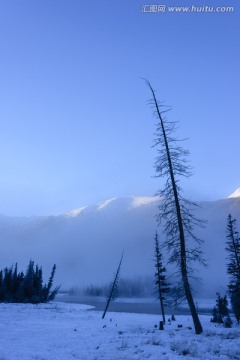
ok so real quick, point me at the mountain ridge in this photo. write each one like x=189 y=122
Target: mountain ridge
x=86 y=246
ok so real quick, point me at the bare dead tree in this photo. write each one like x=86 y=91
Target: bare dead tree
x=175 y=212
x=113 y=288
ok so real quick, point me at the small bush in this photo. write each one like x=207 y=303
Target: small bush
x=184 y=347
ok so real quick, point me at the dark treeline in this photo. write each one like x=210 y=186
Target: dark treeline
x=220 y=311
x=126 y=288
x=18 y=287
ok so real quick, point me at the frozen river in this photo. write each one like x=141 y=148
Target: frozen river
x=137 y=305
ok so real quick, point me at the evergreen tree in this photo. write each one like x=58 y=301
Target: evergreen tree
x=233 y=267
x=7 y=284
x=174 y=210
x=15 y=282
x=1 y=286
x=46 y=295
x=28 y=287
x=220 y=311
x=36 y=285
x=235 y=302
x=19 y=295
x=162 y=287
x=28 y=290
x=51 y=294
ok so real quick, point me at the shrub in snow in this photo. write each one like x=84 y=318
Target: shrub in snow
x=26 y=288
x=185 y=347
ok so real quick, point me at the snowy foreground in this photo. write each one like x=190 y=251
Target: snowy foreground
x=71 y=331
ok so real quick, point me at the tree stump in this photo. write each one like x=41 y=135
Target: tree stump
x=161 y=325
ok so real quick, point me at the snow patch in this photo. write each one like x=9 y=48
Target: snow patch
x=235 y=194
x=75 y=212
x=105 y=204
x=143 y=200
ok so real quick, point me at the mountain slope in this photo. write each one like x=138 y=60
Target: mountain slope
x=86 y=243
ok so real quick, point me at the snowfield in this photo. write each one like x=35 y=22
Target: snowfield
x=59 y=331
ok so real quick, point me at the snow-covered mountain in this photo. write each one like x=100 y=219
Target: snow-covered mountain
x=235 y=194
x=86 y=243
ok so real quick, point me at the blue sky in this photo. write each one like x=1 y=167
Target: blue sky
x=75 y=127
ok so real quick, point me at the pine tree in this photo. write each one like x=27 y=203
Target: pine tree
x=162 y=287
x=15 y=283
x=233 y=267
x=37 y=285
x=28 y=282
x=53 y=293
x=28 y=287
x=7 y=283
x=220 y=311
x=174 y=210
x=235 y=302
x=1 y=286
x=46 y=294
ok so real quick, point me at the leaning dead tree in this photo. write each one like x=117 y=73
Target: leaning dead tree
x=175 y=212
x=113 y=288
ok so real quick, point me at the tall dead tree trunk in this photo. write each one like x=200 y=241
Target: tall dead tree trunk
x=174 y=209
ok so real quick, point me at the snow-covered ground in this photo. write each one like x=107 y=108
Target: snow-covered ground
x=60 y=331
